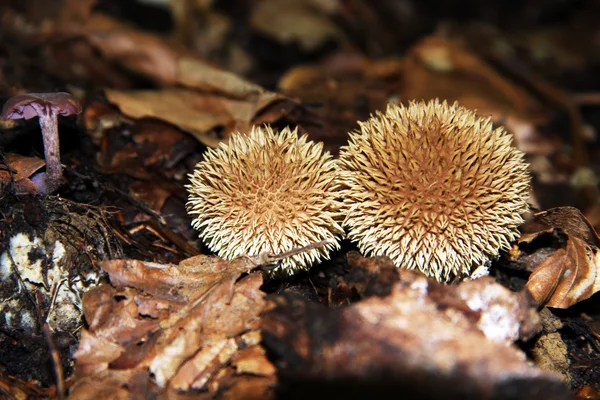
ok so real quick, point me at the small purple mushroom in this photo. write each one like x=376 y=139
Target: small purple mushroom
x=46 y=106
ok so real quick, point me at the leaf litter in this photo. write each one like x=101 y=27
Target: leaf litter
x=200 y=327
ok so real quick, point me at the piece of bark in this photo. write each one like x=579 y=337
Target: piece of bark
x=425 y=340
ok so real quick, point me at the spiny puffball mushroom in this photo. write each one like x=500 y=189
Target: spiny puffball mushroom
x=46 y=106
x=434 y=187
x=267 y=192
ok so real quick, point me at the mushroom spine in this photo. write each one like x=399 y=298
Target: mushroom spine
x=267 y=192
x=434 y=187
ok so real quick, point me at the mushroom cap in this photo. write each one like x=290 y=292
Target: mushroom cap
x=266 y=192
x=434 y=187
x=32 y=105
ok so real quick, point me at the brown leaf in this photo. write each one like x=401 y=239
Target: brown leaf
x=23 y=168
x=189 y=280
x=197 y=74
x=204 y=364
x=299 y=21
x=438 y=67
x=197 y=113
x=149 y=193
x=157 y=58
x=253 y=360
x=571 y=221
x=212 y=99
x=140 y=52
x=114 y=315
x=109 y=384
x=347 y=87
x=567 y=277
x=160 y=144
x=154 y=57
x=221 y=314
x=181 y=323
x=452 y=67
x=94 y=353
x=570 y=274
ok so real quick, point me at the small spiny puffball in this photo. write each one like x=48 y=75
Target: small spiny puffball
x=267 y=192
x=434 y=187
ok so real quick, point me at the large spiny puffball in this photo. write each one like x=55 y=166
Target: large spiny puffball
x=267 y=192
x=434 y=187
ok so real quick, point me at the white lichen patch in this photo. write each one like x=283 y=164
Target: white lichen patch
x=13 y=316
x=7 y=311
x=18 y=256
x=58 y=253
x=27 y=319
x=5 y=266
x=40 y=272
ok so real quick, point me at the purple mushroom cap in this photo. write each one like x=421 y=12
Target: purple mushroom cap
x=32 y=105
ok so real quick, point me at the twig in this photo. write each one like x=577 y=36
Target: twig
x=268 y=261
x=58 y=370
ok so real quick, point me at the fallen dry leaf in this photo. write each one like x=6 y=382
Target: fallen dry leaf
x=150 y=194
x=181 y=283
x=571 y=274
x=197 y=74
x=253 y=360
x=525 y=56
x=141 y=52
x=303 y=21
x=22 y=169
x=457 y=74
x=196 y=372
x=201 y=114
x=223 y=314
x=571 y=221
x=160 y=144
x=214 y=99
x=438 y=67
x=159 y=59
x=23 y=166
x=168 y=328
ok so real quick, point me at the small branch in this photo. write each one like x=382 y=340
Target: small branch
x=268 y=261
x=58 y=370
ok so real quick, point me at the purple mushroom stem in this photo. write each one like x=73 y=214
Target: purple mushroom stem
x=47 y=107
x=49 y=125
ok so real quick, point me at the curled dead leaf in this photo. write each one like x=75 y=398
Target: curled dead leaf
x=18 y=171
x=570 y=274
x=567 y=277
x=571 y=221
